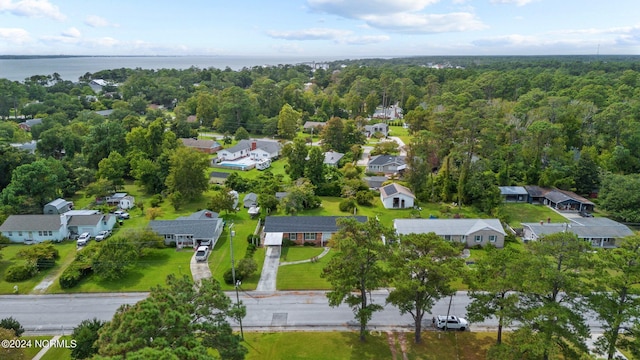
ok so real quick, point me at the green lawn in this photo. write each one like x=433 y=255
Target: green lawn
x=66 y=250
x=530 y=213
x=305 y=276
x=150 y=270
x=379 y=345
x=59 y=353
x=297 y=253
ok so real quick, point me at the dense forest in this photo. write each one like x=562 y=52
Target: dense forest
x=476 y=123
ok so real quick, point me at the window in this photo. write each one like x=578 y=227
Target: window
x=50 y=233
x=478 y=238
x=293 y=236
x=19 y=233
x=493 y=238
x=309 y=236
x=40 y=233
x=10 y=233
x=447 y=237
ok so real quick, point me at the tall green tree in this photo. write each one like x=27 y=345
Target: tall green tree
x=620 y=196
x=85 y=335
x=333 y=134
x=288 y=119
x=187 y=173
x=616 y=299
x=176 y=321
x=423 y=266
x=296 y=155
x=553 y=282
x=492 y=287
x=113 y=168
x=356 y=269
x=314 y=167
x=114 y=258
x=35 y=184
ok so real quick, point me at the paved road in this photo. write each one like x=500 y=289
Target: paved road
x=282 y=310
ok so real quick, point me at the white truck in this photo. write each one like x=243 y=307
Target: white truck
x=451 y=322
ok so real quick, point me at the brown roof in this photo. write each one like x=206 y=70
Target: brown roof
x=200 y=144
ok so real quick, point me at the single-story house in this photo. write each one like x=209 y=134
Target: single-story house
x=386 y=164
x=392 y=112
x=104 y=113
x=536 y=193
x=281 y=194
x=471 y=232
x=93 y=224
x=35 y=228
x=332 y=158
x=375 y=182
x=28 y=124
x=29 y=147
x=205 y=146
x=203 y=226
x=57 y=206
x=121 y=200
x=256 y=149
x=567 y=201
x=381 y=128
x=218 y=177
x=251 y=199
x=38 y=228
x=396 y=196
x=97 y=84
x=514 y=193
x=600 y=232
x=302 y=229
x=314 y=127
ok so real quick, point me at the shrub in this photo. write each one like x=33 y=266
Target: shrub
x=72 y=275
x=308 y=243
x=251 y=249
x=287 y=242
x=347 y=205
x=44 y=255
x=364 y=197
x=12 y=324
x=4 y=239
x=21 y=272
x=156 y=200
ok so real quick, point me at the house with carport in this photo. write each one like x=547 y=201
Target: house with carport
x=598 y=231
x=514 y=194
x=203 y=226
x=302 y=230
x=470 y=232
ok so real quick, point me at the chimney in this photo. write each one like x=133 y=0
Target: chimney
x=254 y=145
x=207 y=214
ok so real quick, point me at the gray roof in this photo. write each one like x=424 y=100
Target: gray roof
x=104 y=112
x=332 y=157
x=386 y=159
x=250 y=197
x=86 y=220
x=559 y=196
x=28 y=146
x=59 y=203
x=301 y=224
x=219 y=174
x=200 y=144
x=375 y=181
x=446 y=226
x=584 y=227
x=200 y=229
x=269 y=146
x=32 y=122
x=536 y=191
x=392 y=189
x=281 y=194
x=31 y=223
x=312 y=124
x=513 y=190
x=201 y=215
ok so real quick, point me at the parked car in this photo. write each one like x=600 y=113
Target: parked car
x=586 y=214
x=83 y=239
x=103 y=235
x=121 y=214
x=451 y=322
x=202 y=253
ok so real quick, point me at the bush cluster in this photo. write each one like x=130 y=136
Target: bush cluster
x=21 y=272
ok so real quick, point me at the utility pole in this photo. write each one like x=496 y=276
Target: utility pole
x=236 y=283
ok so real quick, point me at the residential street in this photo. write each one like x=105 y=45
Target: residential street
x=283 y=310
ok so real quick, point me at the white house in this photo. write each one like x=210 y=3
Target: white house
x=255 y=149
x=396 y=196
x=600 y=232
x=121 y=200
x=470 y=232
x=35 y=228
x=93 y=224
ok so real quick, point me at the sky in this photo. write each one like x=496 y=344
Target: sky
x=329 y=28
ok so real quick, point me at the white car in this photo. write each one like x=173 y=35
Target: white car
x=83 y=239
x=121 y=214
x=202 y=253
x=451 y=322
x=103 y=235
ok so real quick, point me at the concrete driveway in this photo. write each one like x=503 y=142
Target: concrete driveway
x=269 y=269
x=199 y=270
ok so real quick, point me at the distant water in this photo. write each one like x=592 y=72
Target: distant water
x=73 y=67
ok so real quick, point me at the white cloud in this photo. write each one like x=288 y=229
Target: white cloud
x=402 y=15
x=426 y=23
x=517 y=2
x=32 y=9
x=366 y=40
x=72 y=33
x=15 y=35
x=358 y=8
x=310 y=34
x=97 y=21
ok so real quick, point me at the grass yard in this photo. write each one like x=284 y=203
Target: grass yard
x=297 y=253
x=151 y=270
x=66 y=250
x=59 y=353
x=305 y=276
x=379 y=345
x=530 y=213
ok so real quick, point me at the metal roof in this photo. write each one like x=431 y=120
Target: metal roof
x=584 y=228
x=301 y=224
x=513 y=190
x=446 y=226
x=200 y=229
